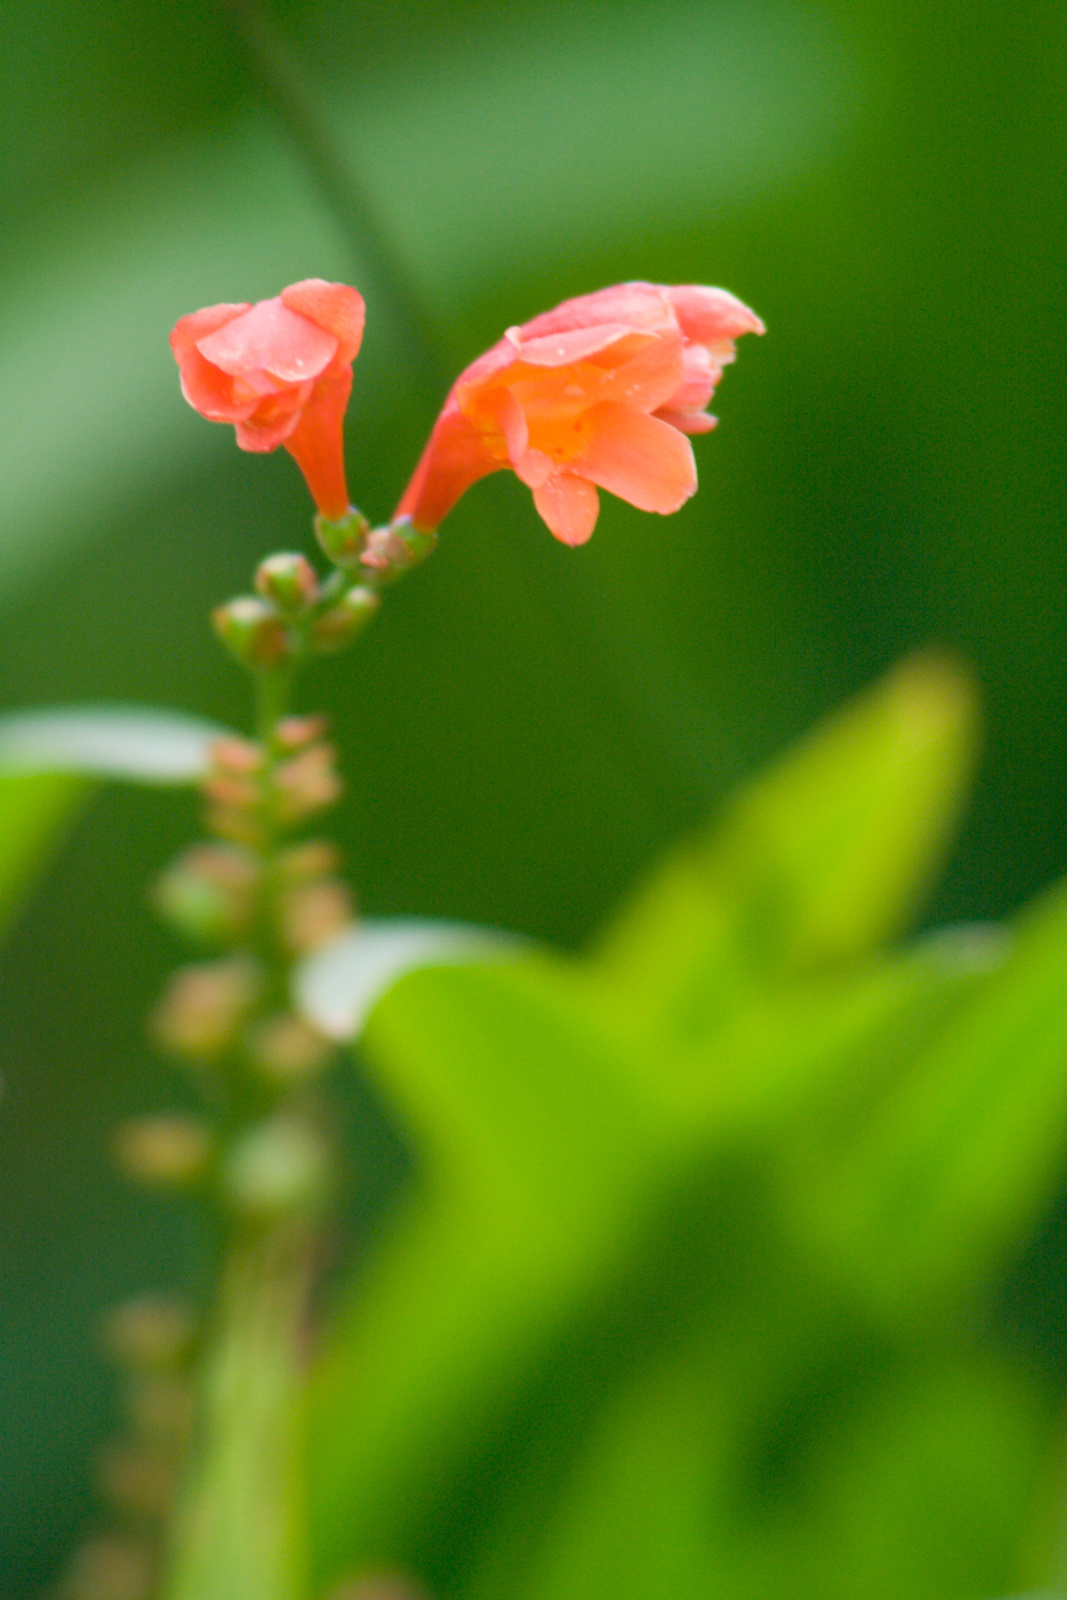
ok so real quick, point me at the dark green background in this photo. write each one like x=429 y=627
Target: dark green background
x=525 y=725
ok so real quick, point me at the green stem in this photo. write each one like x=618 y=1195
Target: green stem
x=282 y=84
x=274 y=693
x=240 y=1532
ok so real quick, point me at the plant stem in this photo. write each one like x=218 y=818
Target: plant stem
x=282 y=84
x=239 y=1530
x=274 y=691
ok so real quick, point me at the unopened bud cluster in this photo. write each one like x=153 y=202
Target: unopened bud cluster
x=376 y=556
x=258 y=899
x=253 y=795
x=294 y=614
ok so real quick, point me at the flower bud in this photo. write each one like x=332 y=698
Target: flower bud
x=200 y=1011
x=378 y=1586
x=343 y=539
x=237 y=824
x=235 y=794
x=149 y=1334
x=313 y=914
x=288 y=580
x=394 y=549
x=161 y=1407
x=234 y=757
x=166 y=1151
x=305 y=784
x=252 y=631
x=209 y=893
x=275 y=1168
x=312 y=858
x=286 y=1049
x=293 y=733
x=337 y=627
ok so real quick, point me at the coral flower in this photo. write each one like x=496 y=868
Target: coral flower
x=281 y=371
x=599 y=393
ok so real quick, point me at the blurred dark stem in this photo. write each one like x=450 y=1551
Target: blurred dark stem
x=283 y=84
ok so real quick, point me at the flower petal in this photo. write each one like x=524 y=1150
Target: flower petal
x=335 y=307
x=569 y=507
x=271 y=338
x=569 y=345
x=708 y=315
x=639 y=458
x=687 y=421
x=455 y=457
x=206 y=388
x=198 y=324
x=272 y=421
x=634 y=305
x=317 y=442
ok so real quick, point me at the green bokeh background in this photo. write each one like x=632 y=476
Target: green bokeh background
x=525 y=725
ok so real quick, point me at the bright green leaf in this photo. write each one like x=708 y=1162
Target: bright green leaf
x=34 y=807
x=964 y=1148
x=339 y=985
x=817 y=863
x=531 y=1147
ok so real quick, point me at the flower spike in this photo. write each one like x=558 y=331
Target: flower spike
x=599 y=393
x=281 y=372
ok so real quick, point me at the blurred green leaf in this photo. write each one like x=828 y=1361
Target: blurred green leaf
x=47 y=756
x=339 y=985
x=870 y=1478
x=731 y=100
x=578 y=1179
x=818 y=862
x=34 y=808
x=566 y=1221
x=965 y=1146
x=530 y=1145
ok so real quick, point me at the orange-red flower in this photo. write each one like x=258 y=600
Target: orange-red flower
x=281 y=371
x=599 y=393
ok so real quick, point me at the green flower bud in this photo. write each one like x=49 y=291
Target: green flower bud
x=209 y=893
x=338 y=626
x=289 y=580
x=275 y=1169
x=252 y=631
x=343 y=540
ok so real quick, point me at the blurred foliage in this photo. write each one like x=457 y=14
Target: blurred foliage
x=526 y=727
x=674 y=1302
